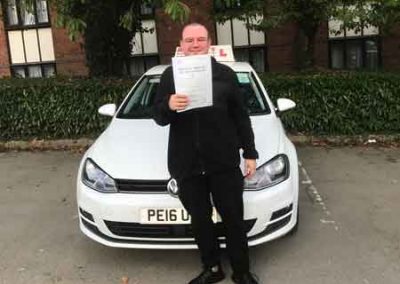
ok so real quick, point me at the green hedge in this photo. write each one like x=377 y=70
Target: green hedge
x=339 y=103
x=55 y=108
x=344 y=103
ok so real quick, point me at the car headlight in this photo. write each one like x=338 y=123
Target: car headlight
x=96 y=178
x=271 y=173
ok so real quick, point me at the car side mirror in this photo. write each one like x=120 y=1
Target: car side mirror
x=285 y=104
x=108 y=109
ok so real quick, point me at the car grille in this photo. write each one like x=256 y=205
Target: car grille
x=162 y=231
x=141 y=186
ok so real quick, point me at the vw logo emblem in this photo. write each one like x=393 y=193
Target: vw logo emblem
x=172 y=188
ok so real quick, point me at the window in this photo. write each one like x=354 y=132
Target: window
x=34 y=71
x=140 y=64
x=371 y=54
x=254 y=55
x=140 y=101
x=222 y=6
x=30 y=39
x=337 y=55
x=144 y=49
x=352 y=50
x=147 y=10
x=12 y=14
x=19 y=15
x=31 y=52
x=252 y=93
x=42 y=12
x=248 y=45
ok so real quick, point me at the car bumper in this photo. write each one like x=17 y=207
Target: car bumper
x=268 y=213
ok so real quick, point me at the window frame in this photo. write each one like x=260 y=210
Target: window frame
x=249 y=46
x=346 y=40
x=143 y=57
x=225 y=6
x=21 y=27
x=42 y=65
x=149 y=16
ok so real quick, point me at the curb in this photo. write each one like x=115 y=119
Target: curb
x=345 y=140
x=80 y=145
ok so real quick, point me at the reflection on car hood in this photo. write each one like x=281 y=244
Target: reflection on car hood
x=137 y=149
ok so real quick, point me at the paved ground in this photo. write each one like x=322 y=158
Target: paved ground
x=349 y=232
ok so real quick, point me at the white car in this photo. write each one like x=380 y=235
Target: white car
x=125 y=194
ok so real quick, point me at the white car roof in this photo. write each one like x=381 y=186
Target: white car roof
x=236 y=66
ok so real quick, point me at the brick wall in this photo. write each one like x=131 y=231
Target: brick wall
x=321 y=52
x=69 y=55
x=281 y=53
x=282 y=48
x=4 y=57
x=391 y=50
x=169 y=33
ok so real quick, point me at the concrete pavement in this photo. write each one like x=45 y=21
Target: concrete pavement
x=349 y=230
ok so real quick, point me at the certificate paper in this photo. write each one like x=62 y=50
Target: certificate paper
x=193 y=77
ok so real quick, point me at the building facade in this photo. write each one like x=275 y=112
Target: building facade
x=32 y=46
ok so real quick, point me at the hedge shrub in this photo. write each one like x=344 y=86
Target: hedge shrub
x=344 y=103
x=339 y=103
x=55 y=108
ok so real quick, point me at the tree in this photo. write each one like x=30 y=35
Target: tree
x=73 y=14
x=309 y=14
x=107 y=27
x=266 y=15
x=357 y=14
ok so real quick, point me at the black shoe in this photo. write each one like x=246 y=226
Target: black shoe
x=246 y=278
x=209 y=275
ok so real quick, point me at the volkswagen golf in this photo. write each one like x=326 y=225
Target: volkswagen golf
x=127 y=198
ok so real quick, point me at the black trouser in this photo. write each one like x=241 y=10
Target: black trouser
x=226 y=189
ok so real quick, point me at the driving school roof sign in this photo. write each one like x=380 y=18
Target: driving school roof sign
x=222 y=53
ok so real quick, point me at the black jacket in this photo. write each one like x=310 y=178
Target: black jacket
x=206 y=140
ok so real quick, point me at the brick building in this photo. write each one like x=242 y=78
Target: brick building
x=31 y=45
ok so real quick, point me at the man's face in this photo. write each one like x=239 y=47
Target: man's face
x=195 y=40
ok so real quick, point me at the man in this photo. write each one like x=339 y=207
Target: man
x=203 y=156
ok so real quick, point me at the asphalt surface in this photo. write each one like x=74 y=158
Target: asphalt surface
x=349 y=228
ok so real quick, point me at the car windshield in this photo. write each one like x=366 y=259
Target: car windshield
x=140 y=101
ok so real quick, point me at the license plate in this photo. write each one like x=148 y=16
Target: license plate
x=168 y=216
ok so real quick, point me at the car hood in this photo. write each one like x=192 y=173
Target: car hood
x=137 y=149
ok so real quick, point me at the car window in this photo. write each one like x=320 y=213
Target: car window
x=252 y=93
x=140 y=100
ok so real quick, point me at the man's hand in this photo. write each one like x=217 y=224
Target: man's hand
x=250 y=167
x=178 y=102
